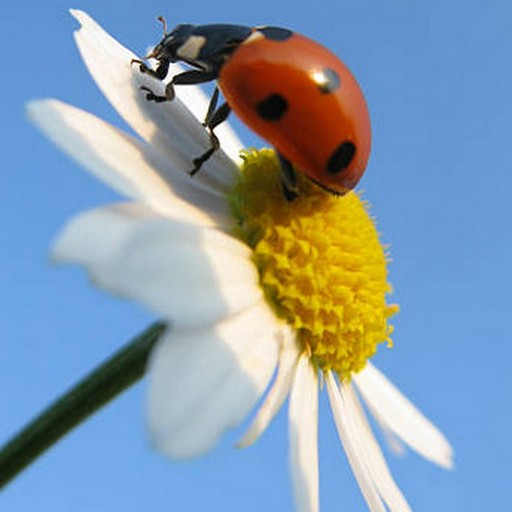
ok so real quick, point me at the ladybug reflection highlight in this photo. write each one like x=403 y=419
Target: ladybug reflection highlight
x=289 y=89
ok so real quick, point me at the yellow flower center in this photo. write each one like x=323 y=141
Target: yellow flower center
x=321 y=265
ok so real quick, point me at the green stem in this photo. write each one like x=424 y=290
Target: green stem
x=110 y=379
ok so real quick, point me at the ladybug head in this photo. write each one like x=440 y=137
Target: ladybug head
x=168 y=49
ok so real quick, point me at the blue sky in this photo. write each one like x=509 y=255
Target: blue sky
x=437 y=78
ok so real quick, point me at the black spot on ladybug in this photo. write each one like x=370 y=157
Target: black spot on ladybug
x=276 y=33
x=327 y=80
x=341 y=157
x=272 y=108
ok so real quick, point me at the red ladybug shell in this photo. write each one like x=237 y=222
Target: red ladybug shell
x=303 y=100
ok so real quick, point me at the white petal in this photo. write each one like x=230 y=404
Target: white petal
x=93 y=237
x=190 y=275
x=130 y=166
x=395 y=411
x=288 y=356
x=169 y=126
x=303 y=420
x=206 y=381
x=350 y=440
x=373 y=458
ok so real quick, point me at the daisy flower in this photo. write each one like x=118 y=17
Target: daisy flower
x=265 y=298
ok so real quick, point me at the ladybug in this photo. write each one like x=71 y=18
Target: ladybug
x=289 y=89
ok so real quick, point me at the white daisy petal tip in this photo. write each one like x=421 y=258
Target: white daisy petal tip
x=193 y=447
x=82 y=17
x=400 y=416
x=36 y=109
x=206 y=381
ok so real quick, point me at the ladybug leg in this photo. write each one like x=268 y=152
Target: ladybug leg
x=288 y=178
x=212 y=107
x=151 y=96
x=213 y=119
x=190 y=77
x=194 y=76
x=159 y=73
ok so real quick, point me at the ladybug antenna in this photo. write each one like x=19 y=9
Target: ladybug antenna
x=163 y=21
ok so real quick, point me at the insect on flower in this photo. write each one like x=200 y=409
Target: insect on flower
x=266 y=298
x=289 y=89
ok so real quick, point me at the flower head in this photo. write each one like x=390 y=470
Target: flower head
x=253 y=286
x=320 y=262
